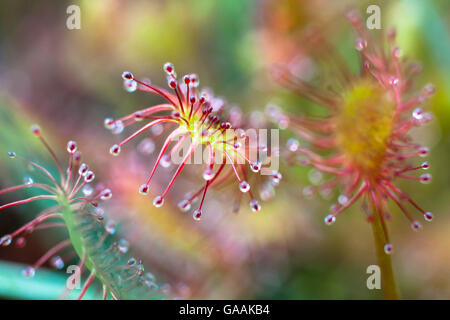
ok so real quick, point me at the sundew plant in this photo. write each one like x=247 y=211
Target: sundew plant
x=312 y=152
x=365 y=137
x=77 y=208
x=196 y=118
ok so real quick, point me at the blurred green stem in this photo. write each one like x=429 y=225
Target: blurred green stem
x=384 y=260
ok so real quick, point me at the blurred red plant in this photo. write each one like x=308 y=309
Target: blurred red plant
x=363 y=142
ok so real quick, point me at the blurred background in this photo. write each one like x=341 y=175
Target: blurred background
x=68 y=81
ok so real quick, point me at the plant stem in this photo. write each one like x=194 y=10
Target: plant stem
x=384 y=260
